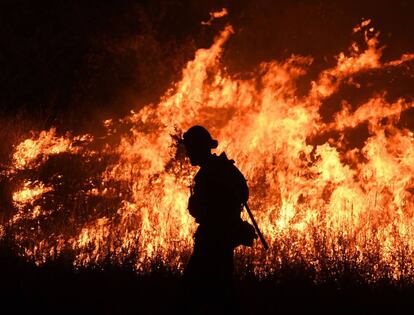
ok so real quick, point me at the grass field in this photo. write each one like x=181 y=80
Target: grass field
x=57 y=288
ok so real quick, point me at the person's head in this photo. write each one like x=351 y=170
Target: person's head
x=198 y=144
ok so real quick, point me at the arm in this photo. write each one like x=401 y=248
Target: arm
x=197 y=202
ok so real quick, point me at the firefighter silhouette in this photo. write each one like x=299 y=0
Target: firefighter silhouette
x=216 y=201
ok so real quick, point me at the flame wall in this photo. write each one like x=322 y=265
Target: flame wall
x=320 y=199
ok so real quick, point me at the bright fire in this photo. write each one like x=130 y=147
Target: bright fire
x=319 y=200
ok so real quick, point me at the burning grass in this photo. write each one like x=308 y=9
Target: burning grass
x=56 y=286
x=327 y=203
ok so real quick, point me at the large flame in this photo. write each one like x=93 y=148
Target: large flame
x=319 y=200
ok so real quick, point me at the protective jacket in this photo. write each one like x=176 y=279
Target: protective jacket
x=216 y=201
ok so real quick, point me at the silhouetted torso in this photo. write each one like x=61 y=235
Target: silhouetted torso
x=218 y=193
x=215 y=202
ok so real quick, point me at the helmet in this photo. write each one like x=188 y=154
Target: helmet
x=198 y=136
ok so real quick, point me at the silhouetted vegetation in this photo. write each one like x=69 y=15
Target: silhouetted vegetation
x=56 y=287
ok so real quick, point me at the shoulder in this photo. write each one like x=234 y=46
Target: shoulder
x=219 y=167
x=226 y=167
x=232 y=177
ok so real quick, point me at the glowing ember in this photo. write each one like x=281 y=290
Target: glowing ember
x=29 y=193
x=323 y=203
x=46 y=144
x=215 y=15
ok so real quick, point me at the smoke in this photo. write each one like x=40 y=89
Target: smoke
x=72 y=64
x=323 y=109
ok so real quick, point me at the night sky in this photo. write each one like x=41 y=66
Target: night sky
x=71 y=64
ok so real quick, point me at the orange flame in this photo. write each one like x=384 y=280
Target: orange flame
x=216 y=15
x=320 y=204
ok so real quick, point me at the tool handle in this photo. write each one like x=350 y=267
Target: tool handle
x=259 y=233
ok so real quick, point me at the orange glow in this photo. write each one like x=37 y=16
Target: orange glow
x=317 y=204
x=216 y=15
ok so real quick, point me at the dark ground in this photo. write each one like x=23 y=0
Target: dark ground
x=56 y=288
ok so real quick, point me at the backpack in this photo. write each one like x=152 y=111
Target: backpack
x=244 y=233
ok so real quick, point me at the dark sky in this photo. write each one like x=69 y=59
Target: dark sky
x=71 y=63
